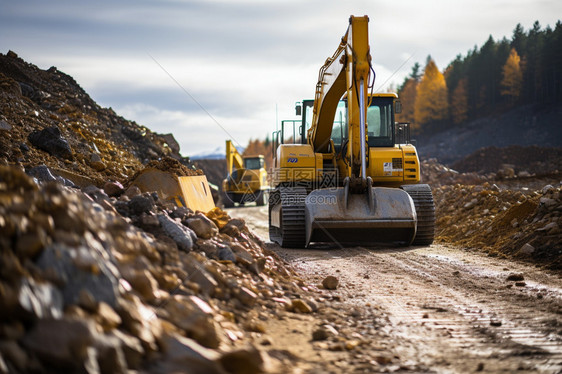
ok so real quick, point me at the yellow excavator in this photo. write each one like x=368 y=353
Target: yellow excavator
x=246 y=179
x=354 y=176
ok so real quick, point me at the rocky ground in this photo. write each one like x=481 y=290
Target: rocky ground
x=507 y=212
x=96 y=276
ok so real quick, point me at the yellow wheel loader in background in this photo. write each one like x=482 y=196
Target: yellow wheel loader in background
x=354 y=177
x=246 y=180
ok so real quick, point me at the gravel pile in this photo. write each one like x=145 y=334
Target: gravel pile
x=526 y=224
x=96 y=283
x=46 y=118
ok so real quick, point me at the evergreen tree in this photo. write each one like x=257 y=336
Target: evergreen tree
x=459 y=102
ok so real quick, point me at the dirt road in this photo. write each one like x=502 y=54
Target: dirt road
x=427 y=309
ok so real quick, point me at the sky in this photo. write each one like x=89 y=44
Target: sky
x=211 y=70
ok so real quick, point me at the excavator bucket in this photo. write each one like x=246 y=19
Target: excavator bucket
x=191 y=191
x=381 y=215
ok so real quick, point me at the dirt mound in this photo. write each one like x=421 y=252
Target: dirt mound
x=46 y=118
x=215 y=170
x=522 y=224
x=133 y=285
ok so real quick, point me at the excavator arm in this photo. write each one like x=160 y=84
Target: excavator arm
x=346 y=72
x=234 y=160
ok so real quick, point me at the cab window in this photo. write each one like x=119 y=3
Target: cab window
x=379 y=123
x=339 y=129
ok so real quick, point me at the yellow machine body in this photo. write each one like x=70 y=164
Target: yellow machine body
x=246 y=179
x=189 y=191
x=355 y=177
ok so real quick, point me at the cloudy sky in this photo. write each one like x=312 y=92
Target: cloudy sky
x=209 y=70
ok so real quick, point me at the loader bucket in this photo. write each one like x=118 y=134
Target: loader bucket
x=192 y=191
x=381 y=215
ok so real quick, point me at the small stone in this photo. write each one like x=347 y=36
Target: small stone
x=132 y=191
x=298 y=305
x=225 y=254
x=330 y=282
x=203 y=226
x=199 y=275
x=87 y=301
x=547 y=188
x=246 y=296
x=181 y=235
x=109 y=354
x=194 y=316
x=149 y=220
x=324 y=332
x=527 y=249
x=60 y=342
x=234 y=227
x=383 y=359
x=181 y=353
x=140 y=204
x=143 y=282
x=549 y=227
x=515 y=277
x=51 y=140
x=113 y=188
x=107 y=317
x=243 y=361
x=5 y=126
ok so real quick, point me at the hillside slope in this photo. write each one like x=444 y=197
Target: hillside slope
x=525 y=126
x=70 y=131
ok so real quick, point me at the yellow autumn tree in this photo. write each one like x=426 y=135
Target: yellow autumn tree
x=408 y=98
x=512 y=73
x=431 y=96
x=459 y=102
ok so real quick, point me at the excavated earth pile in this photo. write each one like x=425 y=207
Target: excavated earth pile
x=46 y=118
x=92 y=283
x=507 y=213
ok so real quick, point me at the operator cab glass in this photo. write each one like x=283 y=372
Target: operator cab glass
x=254 y=163
x=380 y=118
x=339 y=129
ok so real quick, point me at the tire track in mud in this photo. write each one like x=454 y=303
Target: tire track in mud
x=447 y=310
x=451 y=314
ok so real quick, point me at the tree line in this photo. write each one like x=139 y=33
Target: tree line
x=527 y=69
